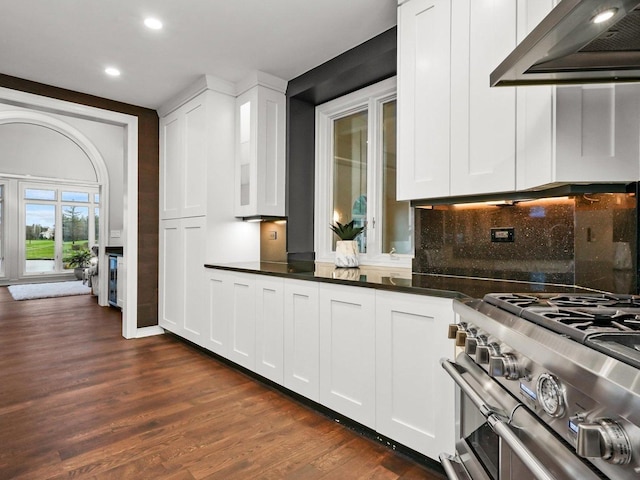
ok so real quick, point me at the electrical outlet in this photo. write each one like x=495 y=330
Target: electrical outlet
x=502 y=235
x=273 y=235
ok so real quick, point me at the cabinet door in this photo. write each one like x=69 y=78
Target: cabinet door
x=301 y=342
x=483 y=129
x=170 y=276
x=181 y=278
x=171 y=138
x=260 y=155
x=191 y=255
x=242 y=320
x=598 y=133
x=218 y=284
x=414 y=396
x=424 y=57
x=270 y=328
x=183 y=160
x=347 y=351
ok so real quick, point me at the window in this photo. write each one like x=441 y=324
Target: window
x=55 y=221
x=356 y=176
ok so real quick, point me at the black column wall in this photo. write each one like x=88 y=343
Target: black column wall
x=366 y=64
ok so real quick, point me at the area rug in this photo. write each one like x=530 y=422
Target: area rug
x=47 y=290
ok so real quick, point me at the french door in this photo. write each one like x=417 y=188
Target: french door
x=55 y=222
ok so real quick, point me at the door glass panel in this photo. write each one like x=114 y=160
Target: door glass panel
x=75 y=229
x=39 y=194
x=396 y=216
x=350 y=172
x=40 y=220
x=75 y=197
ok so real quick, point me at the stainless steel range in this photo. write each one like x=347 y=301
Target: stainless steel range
x=550 y=387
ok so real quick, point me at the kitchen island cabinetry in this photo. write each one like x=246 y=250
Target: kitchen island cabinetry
x=347 y=351
x=414 y=399
x=301 y=338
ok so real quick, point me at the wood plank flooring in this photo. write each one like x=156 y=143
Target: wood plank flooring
x=79 y=401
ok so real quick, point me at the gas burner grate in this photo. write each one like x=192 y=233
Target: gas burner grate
x=595 y=300
x=588 y=321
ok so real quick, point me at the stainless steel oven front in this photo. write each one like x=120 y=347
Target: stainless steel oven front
x=500 y=438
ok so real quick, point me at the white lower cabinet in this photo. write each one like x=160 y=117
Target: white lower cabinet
x=182 y=286
x=414 y=397
x=370 y=355
x=219 y=311
x=301 y=338
x=270 y=328
x=347 y=351
x=242 y=320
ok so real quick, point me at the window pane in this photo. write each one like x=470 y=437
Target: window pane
x=75 y=229
x=75 y=197
x=350 y=172
x=396 y=216
x=39 y=238
x=96 y=198
x=38 y=194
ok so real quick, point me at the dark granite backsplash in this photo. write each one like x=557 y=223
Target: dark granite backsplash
x=587 y=240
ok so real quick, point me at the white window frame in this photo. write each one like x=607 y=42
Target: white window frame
x=67 y=186
x=372 y=99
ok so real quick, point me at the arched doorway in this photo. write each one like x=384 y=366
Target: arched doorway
x=29 y=105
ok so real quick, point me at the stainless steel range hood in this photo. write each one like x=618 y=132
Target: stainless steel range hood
x=567 y=47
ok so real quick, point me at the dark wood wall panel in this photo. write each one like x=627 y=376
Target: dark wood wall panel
x=148 y=171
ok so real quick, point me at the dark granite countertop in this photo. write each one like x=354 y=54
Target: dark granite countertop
x=397 y=280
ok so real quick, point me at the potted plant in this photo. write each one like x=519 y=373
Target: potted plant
x=346 y=247
x=79 y=259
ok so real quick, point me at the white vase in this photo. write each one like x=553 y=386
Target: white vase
x=346 y=253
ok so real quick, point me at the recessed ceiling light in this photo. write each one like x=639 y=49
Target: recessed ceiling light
x=111 y=71
x=153 y=23
x=604 y=16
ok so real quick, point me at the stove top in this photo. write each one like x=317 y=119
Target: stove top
x=606 y=322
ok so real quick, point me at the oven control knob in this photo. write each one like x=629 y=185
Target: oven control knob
x=453 y=329
x=472 y=343
x=604 y=439
x=484 y=352
x=461 y=337
x=504 y=365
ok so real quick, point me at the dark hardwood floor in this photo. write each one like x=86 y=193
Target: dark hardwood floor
x=79 y=401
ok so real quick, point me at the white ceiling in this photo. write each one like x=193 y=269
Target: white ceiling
x=68 y=43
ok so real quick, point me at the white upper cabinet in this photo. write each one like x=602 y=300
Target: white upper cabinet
x=424 y=79
x=596 y=135
x=260 y=146
x=183 y=160
x=192 y=145
x=483 y=119
x=457 y=136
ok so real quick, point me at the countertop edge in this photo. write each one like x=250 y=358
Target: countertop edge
x=306 y=276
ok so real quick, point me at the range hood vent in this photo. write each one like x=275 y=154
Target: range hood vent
x=567 y=47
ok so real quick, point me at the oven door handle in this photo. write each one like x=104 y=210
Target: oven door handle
x=498 y=425
x=453 y=468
